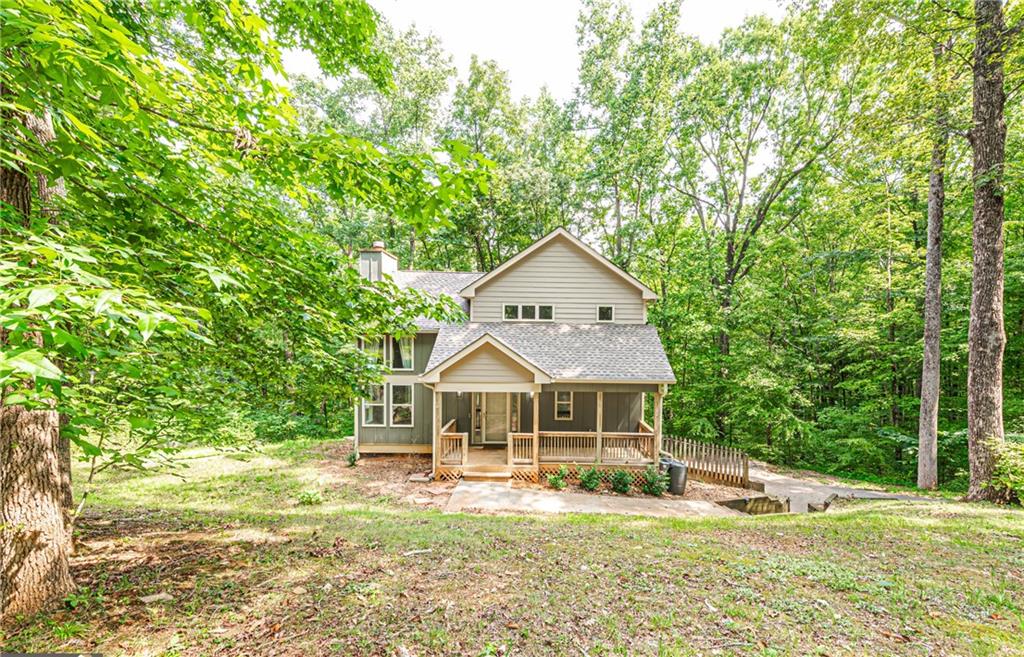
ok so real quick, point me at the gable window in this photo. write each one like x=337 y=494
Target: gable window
x=563 y=405
x=529 y=312
x=401 y=353
x=606 y=313
x=401 y=405
x=373 y=407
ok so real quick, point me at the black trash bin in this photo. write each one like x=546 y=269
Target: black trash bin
x=676 y=477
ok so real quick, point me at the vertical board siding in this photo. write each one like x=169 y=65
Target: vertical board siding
x=563 y=275
x=621 y=411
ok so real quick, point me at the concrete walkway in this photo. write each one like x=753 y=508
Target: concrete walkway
x=486 y=496
x=801 y=492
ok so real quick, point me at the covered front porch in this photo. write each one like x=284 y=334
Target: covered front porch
x=516 y=434
x=498 y=415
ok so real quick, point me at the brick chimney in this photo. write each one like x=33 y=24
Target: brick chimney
x=375 y=261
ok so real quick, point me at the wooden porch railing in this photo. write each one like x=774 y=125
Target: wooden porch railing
x=716 y=463
x=627 y=447
x=520 y=448
x=454 y=446
x=621 y=448
x=567 y=447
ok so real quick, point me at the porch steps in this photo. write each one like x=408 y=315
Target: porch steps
x=486 y=473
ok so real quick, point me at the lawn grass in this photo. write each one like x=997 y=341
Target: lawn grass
x=252 y=571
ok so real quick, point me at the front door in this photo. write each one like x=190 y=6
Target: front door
x=495 y=417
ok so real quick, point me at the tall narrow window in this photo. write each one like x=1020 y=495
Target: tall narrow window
x=513 y=411
x=401 y=353
x=401 y=405
x=606 y=313
x=563 y=405
x=375 y=348
x=373 y=407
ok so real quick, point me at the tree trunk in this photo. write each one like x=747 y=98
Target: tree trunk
x=928 y=424
x=35 y=531
x=35 y=541
x=986 y=339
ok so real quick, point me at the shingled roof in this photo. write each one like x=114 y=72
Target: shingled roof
x=437 y=283
x=629 y=353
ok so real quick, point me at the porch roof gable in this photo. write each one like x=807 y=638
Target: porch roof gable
x=435 y=368
x=596 y=353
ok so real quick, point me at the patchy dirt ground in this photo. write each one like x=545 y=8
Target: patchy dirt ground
x=249 y=570
x=389 y=476
x=385 y=476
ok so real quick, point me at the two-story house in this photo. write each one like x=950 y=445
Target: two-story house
x=555 y=366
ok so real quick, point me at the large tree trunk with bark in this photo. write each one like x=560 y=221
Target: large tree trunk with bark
x=928 y=425
x=35 y=484
x=986 y=337
x=35 y=541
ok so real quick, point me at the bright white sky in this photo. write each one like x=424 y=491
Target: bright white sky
x=534 y=40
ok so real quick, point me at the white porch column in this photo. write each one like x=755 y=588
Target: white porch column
x=600 y=425
x=536 y=430
x=657 y=424
x=508 y=426
x=436 y=450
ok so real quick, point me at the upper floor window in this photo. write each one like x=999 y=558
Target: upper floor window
x=606 y=313
x=375 y=348
x=528 y=312
x=401 y=353
x=397 y=353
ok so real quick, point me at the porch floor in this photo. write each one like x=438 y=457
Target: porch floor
x=488 y=455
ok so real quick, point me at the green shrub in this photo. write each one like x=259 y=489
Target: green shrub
x=653 y=481
x=310 y=497
x=621 y=481
x=557 y=481
x=590 y=479
x=1009 y=469
x=352 y=457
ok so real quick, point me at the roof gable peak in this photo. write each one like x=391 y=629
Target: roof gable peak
x=470 y=290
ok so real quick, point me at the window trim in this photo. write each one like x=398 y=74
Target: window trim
x=597 y=316
x=519 y=312
x=391 y=406
x=412 y=353
x=571 y=404
x=382 y=403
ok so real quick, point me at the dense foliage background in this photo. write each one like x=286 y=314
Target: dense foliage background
x=772 y=187
x=194 y=280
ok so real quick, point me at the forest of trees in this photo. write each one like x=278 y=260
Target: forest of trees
x=179 y=225
x=774 y=188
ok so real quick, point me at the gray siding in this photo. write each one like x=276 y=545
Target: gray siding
x=621 y=412
x=423 y=400
x=560 y=274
